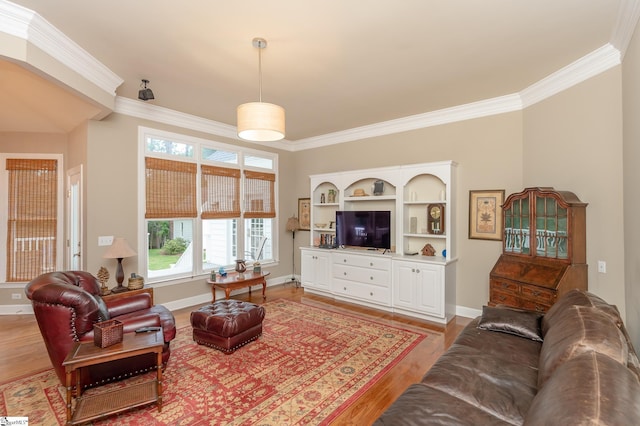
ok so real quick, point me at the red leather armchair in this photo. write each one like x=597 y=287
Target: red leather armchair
x=67 y=304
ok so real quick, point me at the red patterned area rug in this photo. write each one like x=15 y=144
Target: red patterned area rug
x=309 y=365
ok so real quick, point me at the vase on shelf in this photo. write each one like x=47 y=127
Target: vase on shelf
x=332 y=196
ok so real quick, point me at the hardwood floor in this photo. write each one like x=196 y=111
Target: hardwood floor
x=23 y=351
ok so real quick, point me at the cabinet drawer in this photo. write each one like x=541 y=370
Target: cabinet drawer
x=362 y=291
x=539 y=294
x=362 y=261
x=532 y=305
x=504 y=286
x=375 y=277
x=504 y=298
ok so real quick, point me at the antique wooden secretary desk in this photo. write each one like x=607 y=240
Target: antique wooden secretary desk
x=544 y=249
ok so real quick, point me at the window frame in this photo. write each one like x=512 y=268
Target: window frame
x=4 y=200
x=197 y=243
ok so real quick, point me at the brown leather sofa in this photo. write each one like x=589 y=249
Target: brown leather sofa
x=573 y=366
x=68 y=304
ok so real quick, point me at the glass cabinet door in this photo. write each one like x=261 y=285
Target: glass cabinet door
x=536 y=225
x=517 y=226
x=551 y=228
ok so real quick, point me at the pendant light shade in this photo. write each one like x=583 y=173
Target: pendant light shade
x=260 y=121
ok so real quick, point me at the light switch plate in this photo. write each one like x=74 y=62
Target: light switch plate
x=105 y=241
x=602 y=266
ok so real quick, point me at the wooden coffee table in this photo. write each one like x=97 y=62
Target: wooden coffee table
x=233 y=282
x=85 y=354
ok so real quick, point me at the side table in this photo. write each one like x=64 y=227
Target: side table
x=233 y=282
x=92 y=407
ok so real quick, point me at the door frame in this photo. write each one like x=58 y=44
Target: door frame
x=75 y=214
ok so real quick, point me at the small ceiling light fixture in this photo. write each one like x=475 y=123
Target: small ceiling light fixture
x=145 y=94
x=260 y=121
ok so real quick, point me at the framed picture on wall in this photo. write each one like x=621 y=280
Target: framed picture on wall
x=485 y=214
x=304 y=213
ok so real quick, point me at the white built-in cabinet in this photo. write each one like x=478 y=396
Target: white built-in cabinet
x=400 y=280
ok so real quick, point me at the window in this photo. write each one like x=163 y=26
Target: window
x=31 y=221
x=206 y=204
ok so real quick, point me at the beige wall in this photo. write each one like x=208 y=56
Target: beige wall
x=631 y=195
x=573 y=141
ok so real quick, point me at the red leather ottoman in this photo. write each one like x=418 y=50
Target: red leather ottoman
x=227 y=324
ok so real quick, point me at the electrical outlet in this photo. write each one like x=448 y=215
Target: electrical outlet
x=105 y=241
x=602 y=266
x=16 y=296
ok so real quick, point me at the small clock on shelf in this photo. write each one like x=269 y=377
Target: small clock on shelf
x=435 y=218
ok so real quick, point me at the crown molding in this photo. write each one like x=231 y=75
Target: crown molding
x=23 y=23
x=469 y=111
x=15 y=20
x=584 y=68
x=588 y=66
x=628 y=15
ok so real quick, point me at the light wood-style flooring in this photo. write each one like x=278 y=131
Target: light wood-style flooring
x=23 y=351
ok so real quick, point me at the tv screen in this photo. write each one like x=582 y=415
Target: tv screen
x=371 y=229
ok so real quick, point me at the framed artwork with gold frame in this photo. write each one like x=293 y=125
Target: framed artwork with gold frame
x=485 y=214
x=304 y=213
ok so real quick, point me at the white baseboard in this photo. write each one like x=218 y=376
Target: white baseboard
x=463 y=311
x=16 y=309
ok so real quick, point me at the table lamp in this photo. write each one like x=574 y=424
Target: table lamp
x=119 y=249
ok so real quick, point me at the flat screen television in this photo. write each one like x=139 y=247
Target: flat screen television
x=371 y=229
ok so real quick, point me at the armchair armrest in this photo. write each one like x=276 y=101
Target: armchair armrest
x=130 y=303
x=131 y=324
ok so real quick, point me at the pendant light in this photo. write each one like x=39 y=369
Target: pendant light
x=260 y=121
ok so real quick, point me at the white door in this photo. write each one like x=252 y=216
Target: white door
x=74 y=225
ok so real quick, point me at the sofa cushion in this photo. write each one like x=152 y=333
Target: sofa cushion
x=512 y=321
x=502 y=346
x=578 y=297
x=422 y=405
x=590 y=389
x=503 y=389
x=577 y=330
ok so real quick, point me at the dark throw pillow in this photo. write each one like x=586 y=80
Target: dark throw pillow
x=505 y=320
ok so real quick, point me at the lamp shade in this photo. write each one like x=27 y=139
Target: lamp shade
x=293 y=224
x=261 y=122
x=119 y=249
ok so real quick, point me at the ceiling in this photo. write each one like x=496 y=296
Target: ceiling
x=333 y=65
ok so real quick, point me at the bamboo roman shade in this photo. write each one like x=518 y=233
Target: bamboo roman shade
x=259 y=194
x=170 y=188
x=220 y=192
x=32 y=218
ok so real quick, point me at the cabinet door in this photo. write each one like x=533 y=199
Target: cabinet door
x=517 y=225
x=323 y=271
x=404 y=285
x=315 y=271
x=430 y=288
x=307 y=271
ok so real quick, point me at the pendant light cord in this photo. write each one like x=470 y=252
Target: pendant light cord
x=260 y=71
